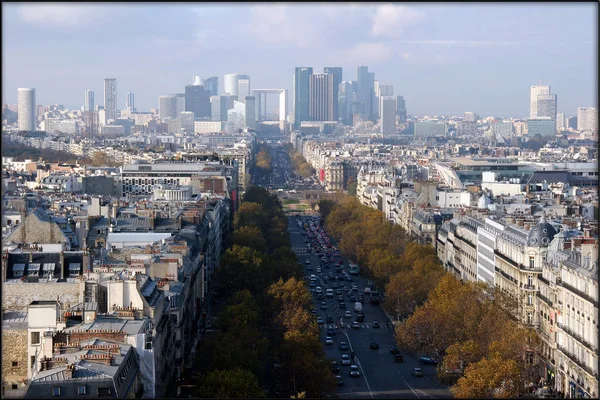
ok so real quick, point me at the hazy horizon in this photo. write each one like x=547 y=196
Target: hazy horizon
x=444 y=59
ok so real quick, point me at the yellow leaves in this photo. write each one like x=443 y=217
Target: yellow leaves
x=493 y=377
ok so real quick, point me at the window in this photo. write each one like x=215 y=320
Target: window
x=530 y=281
x=56 y=391
x=104 y=391
x=15 y=363
x=81 y=389
x=529 y=358
x=530 y=318
x=32 y=359
x=531 y=262
x=530 y=299
x=35 y=338
x=14 y=386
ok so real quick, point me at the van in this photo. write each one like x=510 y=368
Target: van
x=358 y=306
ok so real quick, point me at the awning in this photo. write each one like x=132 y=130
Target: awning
x=19 y=267
x=33 y=267
x=48 y=267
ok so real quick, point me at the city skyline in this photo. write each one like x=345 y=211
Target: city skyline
x=445 y=71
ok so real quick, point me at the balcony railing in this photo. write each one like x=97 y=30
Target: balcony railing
x=545 y=299
x=579 y=338
x=507 y=276
x=577 y=361
x=543 y=280
x=516 y=264
x=577 y=292
x=528 y=287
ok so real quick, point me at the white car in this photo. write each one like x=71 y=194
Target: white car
x=367 y=290
x=328 y=340
x=345 y=359
x=318 y=270
x=319 y=289
x=354 y=371
x=348 y=314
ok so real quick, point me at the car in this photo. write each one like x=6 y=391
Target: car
x=360 y=317
x=354 y=372
x=427 y=361
x=339 y=292
x=417 y=372
x=324 y=305
x=318 y=270
x=349 y=278
x=354 y=288
x=374 y=345
x=342 y=304
x=345 y=359
x=328 y=340
x=319 y=320
x=340 y=297
x=394 y=350
x=339 y=381
x=334 y=285
x=376 y=325
x=307 y=261
x=361 y=298
x=345 y=288
x=398 y=358
x=367 y=290
x=313 y=310
x=348 y=314
x=319 y=296
x=329 y=319
x=319 y=289
x=343 y=346
x=335 y=366
x=330 y=331
x=355 y=325
x=312 y=284
x=352 y=298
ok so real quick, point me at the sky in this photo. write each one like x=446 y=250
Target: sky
x=444 y=58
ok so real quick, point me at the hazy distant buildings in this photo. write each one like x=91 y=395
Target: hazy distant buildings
x=587 y=119
x=387 y=115
x=430 y=129
x=186 y=121
x=198 y=81
x=533 y=99
x=301 y=95
x=337 y=80
x=470 y=116
x=541 y=126
x=167 y=107
x=197 y=100
x=561 y=122
x=546 y=106
x=347 y=96
x=250 y=102
x=502 y=128
x=26 y=109
x=401 y=109
x=238 y=85
x=220 y=105
x=130 y=102
x=572 y=123
x=89 y=101
x=321 y=92
x=212 y=85
x=110 y=98
x=180 y=103
x=244 y=89
x=365 y=90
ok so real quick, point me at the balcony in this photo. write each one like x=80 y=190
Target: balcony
x=577 y=361
x=543 y=280
x=577 y=292
x=507 y=276
x=545 y=299
x=528 y=287
x=579 y=338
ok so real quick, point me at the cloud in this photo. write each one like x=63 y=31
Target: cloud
x=364 y=53
x=271 y=24
x=61 y=15
x=391 y=20
x=406 y=56
x=484 y=43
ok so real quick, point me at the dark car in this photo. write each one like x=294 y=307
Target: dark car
x=360 y=317
x=329 y=319
x=374 y=345
x=394 y=350
x=343 y=346
x=361 y=298
x=335 y=366
x=330 y=331
x=339 y=381
x=427 y=361
x=352 y=298
x=376 y=324
x=323 y=305
x=342 y=305
x=398 y=358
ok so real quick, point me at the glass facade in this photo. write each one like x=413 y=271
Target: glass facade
x=301 y=95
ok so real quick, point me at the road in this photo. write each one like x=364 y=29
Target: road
x=381 y=377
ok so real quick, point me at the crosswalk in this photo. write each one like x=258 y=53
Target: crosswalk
x=332 y=326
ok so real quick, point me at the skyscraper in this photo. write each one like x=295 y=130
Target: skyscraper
x=321 y=103
x=533 y=100
x=197 y=100
x=89 y=100
x=250 y=102
x=337 y=79
x=167 y=106
x=212 y=85
x=244 y=89
x=198 y=81
x=560 y=121
x=130 y=101
x=219 y=106
x=546 y=106
x=382 y=90
x=587 y=119
x=26 y=109
x=180 y=103
x=387 y=115
x=365 y=90
x=301 y=95
x=401 y=109
x=232 y=85
x=110 y=98
x=347 y=96
x=470 y=116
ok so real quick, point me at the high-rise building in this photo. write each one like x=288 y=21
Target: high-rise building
x=219 y=106
x=401 y=109
x=244 y=89
x=337 y=79
x=387 y=115
x=572 y=123
x=301 y=95
x=347 y=96
x=89 y=100
x=546 y=106
x=365 y=94
x=130 y=101
x=321 y=97
x=470 y=116
x=180 y=103
x=212 y=85
x=186 y=121
x=380 y=91
x=250 y=102
x=233 y=85
x=587 y=119
x=533 y=100
x=541 y=126
x=197 y=100
x=167 y=106
x=236 y=117
x=561 y=121
x=26 y=109
x=198 y=81
x=110 y=98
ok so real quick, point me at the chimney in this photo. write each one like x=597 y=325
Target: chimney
x=62 y=265
x=69 y=371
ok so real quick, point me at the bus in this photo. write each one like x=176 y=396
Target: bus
x=353 y=269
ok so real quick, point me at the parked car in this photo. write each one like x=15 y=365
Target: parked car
x=328 y=340
x=330 y=332
x=343 y=346
x=335 y=366
x=417 y=372
x=427 y=361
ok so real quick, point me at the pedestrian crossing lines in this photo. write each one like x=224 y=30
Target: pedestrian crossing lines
x=332 y=326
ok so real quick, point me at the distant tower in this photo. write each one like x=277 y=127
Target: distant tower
x=89 y=100
x=337 y=80
x=26 y=109
x=167 y=106
x=212 y=85
x=301 y=95
x=387 y=115
x=321 y=92
x=533 y=100
x=110 y=98
x=130 y=101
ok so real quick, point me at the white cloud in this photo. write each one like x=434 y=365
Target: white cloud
x=364 y=53
x=390 y=20
x=460 y=42
x=406 y=56
x=61 y=15
x=273 y=24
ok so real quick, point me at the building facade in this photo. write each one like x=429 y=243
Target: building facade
x=110 y=98
x=26 y=109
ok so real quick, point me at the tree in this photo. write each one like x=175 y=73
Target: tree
x=489 y=378
x=230 y=384
x=252 y=215
x=351 y=185
x=250 y=236
x=241 y=268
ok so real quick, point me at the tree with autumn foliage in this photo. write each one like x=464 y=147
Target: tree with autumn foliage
x=230 y=384
x=491 y=377
x=249 y=236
